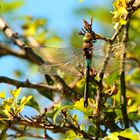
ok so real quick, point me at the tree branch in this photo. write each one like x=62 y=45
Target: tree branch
x=123 y=92
x=122 y=72
x=62 y=88
x=27 y=84
x=5 y=50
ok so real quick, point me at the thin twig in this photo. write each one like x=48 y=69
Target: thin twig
x=122 y=79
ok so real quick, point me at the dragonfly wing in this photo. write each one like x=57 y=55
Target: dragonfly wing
x=57 y=59
x=48 y=69
x=70 y=67
x=113 y=64
x=71 y=60
x=56 y=54
x=118 y=49
x=75 y=68
x=97 y=62
x=59 y=54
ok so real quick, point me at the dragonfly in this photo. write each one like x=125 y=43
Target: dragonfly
x=79 y=62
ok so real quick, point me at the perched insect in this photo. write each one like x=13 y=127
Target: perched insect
x=80 y=62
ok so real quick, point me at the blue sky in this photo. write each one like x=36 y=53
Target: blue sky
x=59 y=12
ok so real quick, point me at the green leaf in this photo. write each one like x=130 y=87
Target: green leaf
x=122 y=10
x=92 y=130
x=133 y=108
x=112 y=77
x=10 y=6
x=3 y=134
x=128 y=133
x=80 y=84
x=2 y=95
x=134 y=116
x=6 y=112
x=119 y=13
x=122 y=21
x=82 y=127
x=71 y=135
x=79 y=105
x=75 y=117
x=118 y=4
x=75 y=120
x=112 y=136
x=19 y=109
x=6 y=104
x=25 y=100
x=32 y=103
x=56 y=112
x=15 y=92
